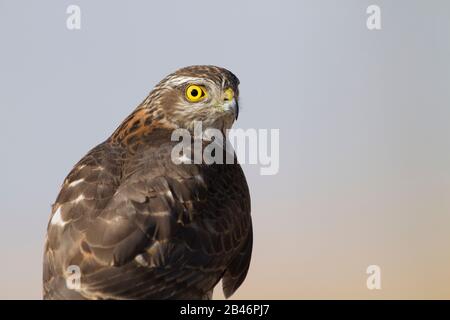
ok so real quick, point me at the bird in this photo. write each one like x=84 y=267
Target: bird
x=129 y=223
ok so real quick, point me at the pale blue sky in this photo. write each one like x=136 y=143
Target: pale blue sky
x=363 y=117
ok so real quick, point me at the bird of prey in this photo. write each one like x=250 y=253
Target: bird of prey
x=133 y=224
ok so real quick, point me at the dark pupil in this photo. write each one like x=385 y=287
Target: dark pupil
x=194 y=92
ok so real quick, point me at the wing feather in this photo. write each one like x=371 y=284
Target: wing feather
x=141 y=227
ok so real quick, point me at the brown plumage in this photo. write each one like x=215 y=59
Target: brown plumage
x=138 y=225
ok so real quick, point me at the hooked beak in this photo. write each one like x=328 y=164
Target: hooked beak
x=233 y=106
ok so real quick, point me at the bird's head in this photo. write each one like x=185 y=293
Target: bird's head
x=198 y=93
x=190 y=95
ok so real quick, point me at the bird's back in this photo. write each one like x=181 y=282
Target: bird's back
x=135 y=225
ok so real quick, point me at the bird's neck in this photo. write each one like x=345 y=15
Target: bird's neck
x=137 y=128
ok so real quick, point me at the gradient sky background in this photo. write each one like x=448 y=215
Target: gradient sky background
x=363 y=116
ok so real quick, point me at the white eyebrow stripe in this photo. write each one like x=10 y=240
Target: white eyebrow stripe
x=179 y=80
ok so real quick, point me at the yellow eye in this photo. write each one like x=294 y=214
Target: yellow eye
x=195 y=93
